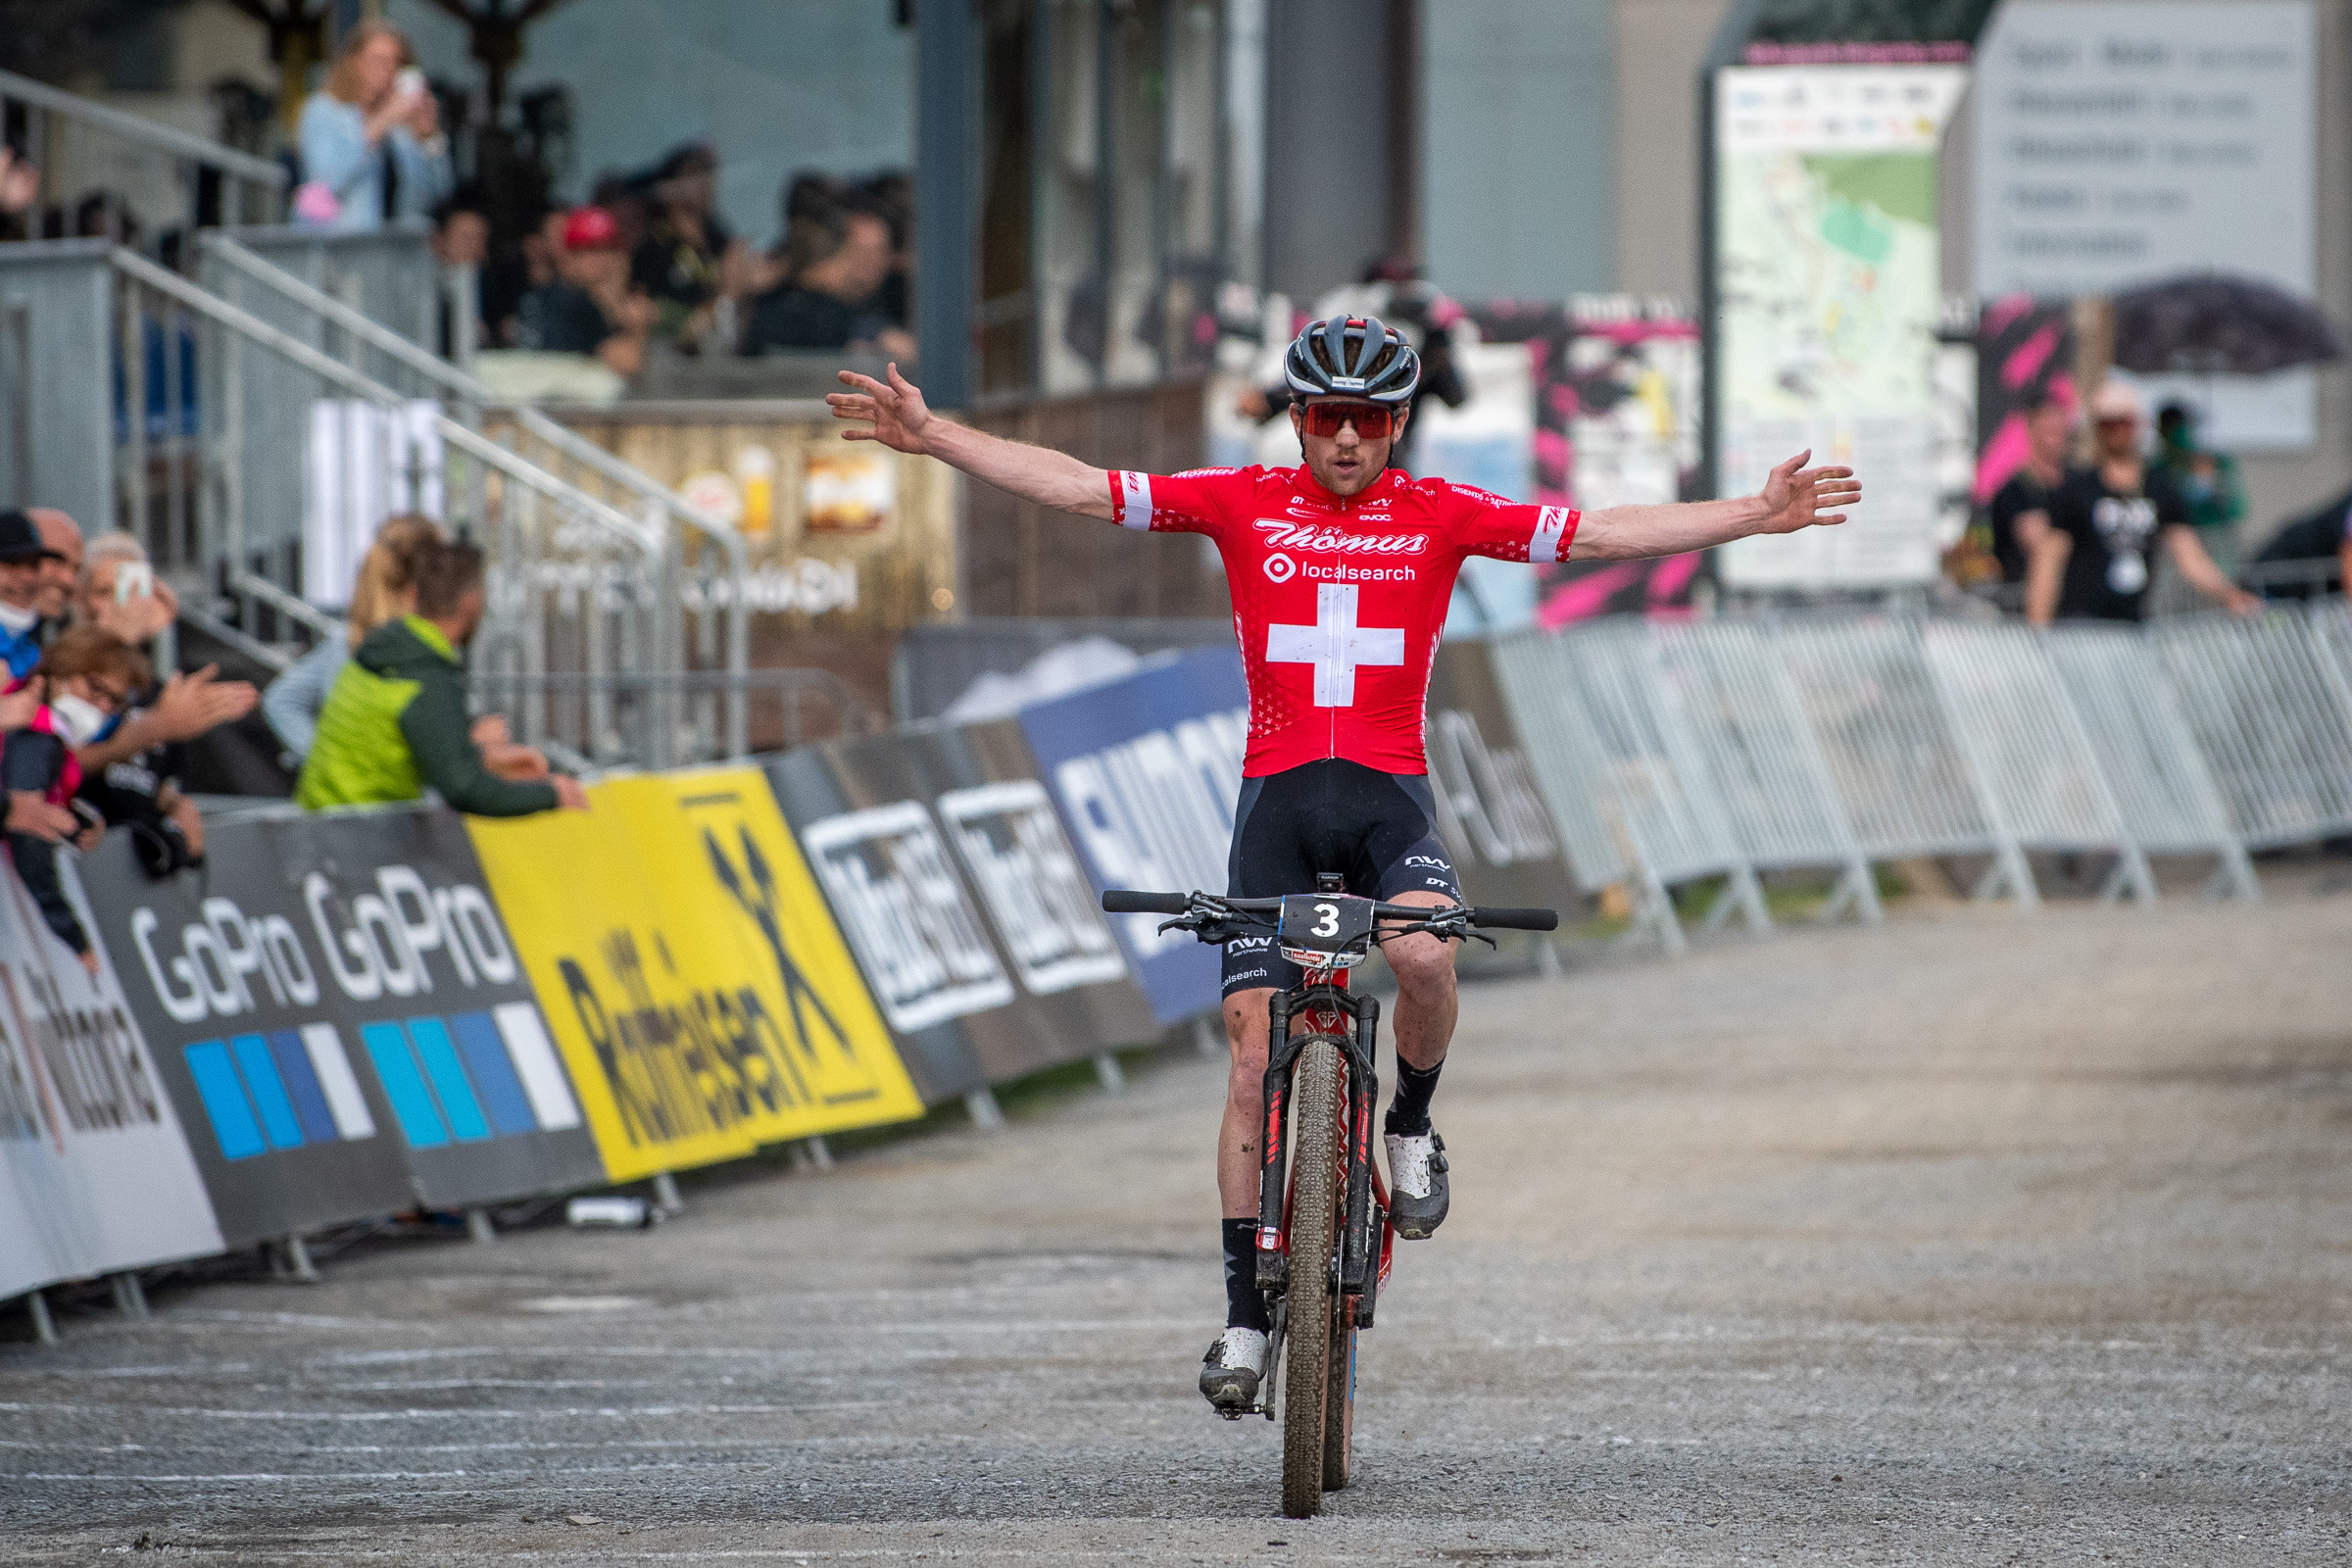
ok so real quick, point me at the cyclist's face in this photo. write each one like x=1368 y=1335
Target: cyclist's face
x=1344 y=464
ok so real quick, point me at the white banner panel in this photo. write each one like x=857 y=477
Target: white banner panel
x=91 y=1154
x=1828 y=273
x=2124 y=141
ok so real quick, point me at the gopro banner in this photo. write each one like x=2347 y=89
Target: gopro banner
x=343 y=1022
x=949 y=869
x=95 y=1174
x=1490 y=813
x=1145 y=771
x=695 y=984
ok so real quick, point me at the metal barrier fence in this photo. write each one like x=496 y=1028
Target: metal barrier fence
x=1668 y=753
x=2027 y=749
x=1874 y=709
x=385 y=331
x=2266 y=702
x=166 y=178
x=1749 y=730
x=2166 y=794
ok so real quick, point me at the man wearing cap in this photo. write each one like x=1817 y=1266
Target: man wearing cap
x=590 y=307
x=23 y=564
x=2096 y=559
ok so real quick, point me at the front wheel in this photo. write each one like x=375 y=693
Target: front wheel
x=1339 y=1405
x=1314 y=1231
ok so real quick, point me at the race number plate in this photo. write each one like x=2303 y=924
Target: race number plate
x=1322 y=922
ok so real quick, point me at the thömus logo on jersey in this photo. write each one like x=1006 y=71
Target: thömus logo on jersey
x=1282 y=535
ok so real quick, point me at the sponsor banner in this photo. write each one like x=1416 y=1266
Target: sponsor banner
x=694 y=984
x=95 y=1174
x=1489 y=811
x=978 y=932
x=1145 y=771
x=343 y=1021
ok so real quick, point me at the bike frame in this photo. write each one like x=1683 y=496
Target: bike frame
x=1325 y=1003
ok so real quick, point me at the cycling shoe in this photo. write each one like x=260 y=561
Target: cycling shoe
x=1228 y=1373
x=1417 y=1186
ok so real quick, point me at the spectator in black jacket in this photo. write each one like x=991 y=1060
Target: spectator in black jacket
x=832 y=298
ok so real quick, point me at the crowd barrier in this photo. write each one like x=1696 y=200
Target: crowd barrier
x=346 y=1016
x=1671 y=752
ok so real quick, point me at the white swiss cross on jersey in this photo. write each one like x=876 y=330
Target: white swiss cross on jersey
x=1338 y=603
x=1335 y=645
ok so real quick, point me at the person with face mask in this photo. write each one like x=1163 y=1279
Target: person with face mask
x=90 y=675
x=24 y=574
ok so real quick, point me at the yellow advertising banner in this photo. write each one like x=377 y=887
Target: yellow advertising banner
x=691 y=972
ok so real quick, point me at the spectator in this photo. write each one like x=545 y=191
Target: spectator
x=61 y=567
x=395 y=723
x=371 y=144
x=118 y=593
x=891 y=198
x=2093 y=560
x=831 y=299
x=24 y=570
x=688 y=260
x=2021 y=507
x=2208 y=482
x=590 y=308
x=91 y=676
x=386 y=590
x=461 y=241
x=19 y=194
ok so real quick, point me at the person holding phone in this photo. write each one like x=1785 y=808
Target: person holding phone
x=372 y=148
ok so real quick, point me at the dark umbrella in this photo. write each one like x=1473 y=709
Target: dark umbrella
x=2215 y=326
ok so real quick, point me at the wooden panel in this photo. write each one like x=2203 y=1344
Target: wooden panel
x=1021 y=560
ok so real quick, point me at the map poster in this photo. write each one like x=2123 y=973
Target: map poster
x=1827 y=280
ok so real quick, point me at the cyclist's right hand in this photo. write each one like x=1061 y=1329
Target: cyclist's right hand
x=898 y=411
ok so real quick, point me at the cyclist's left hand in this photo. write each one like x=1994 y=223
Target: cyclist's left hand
x=1798 y=497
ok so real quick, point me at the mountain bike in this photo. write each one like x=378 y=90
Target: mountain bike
x=1324 y=1242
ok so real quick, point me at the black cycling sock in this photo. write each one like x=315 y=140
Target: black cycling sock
x=1409 y=1112
x=1245 y=1307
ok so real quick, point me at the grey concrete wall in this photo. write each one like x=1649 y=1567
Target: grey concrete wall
x=1659 y=44
x=1327 y=205
x=1518 y=179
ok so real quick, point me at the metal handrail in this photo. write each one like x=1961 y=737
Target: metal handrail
x=466 y=388
x=246 y=324
x=290 y=605
x=164 y=137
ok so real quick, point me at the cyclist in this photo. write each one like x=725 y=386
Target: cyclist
x=1340 y=571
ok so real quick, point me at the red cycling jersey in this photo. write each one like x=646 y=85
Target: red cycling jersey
x=1338 y=602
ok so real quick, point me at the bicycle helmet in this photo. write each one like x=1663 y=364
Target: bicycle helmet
x=1355 y=355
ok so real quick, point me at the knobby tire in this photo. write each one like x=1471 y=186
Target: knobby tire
x=1314 y=1223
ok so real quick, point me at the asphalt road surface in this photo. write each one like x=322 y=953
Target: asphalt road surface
x=1981 y=1238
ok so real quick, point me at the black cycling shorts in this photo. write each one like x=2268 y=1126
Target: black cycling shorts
x=1379 y=830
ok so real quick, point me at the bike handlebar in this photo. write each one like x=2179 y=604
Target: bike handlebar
x=1123 y=900
x=1517 y=919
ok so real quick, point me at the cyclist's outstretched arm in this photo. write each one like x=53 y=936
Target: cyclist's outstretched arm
x=902 y=423
x=1793 y=497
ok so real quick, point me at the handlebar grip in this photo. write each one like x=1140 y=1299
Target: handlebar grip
x=1517 y=919
x=1123 y=900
